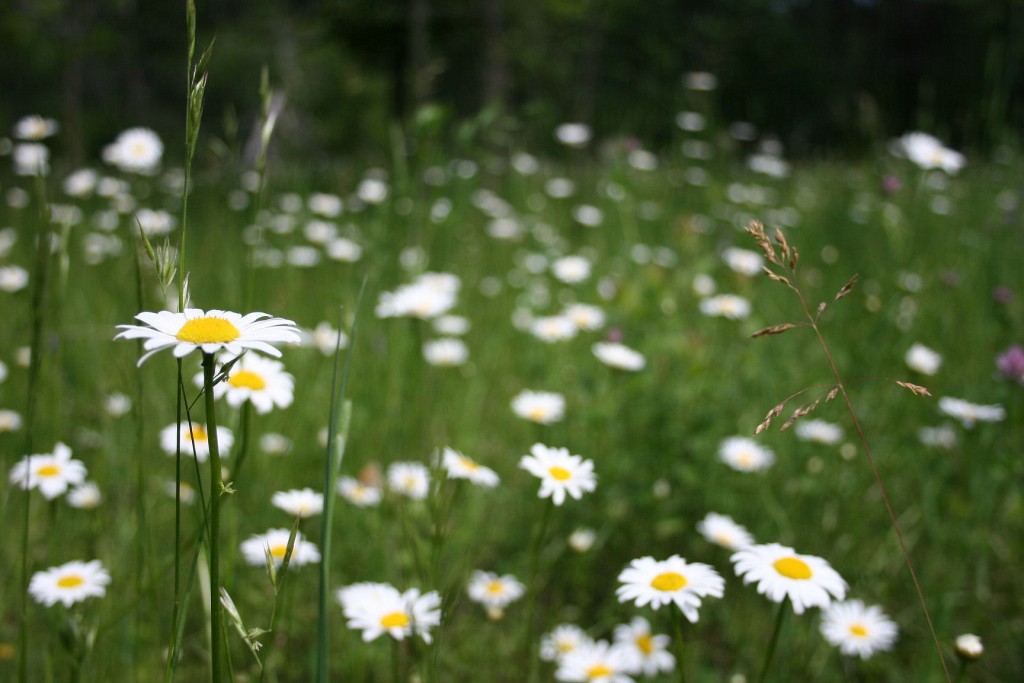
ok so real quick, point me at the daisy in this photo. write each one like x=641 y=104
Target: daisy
x=781 y=573
x=460 y=466
x=581 y=540
x=69 y=583
x=969 y=646
x=562 y=640
x=359 y=494
x=209 y=331
x=922 y=359
x=745 y=455
x=968 y=413
x=544 y=407
x=584 y=316
x=299 y=502
x=9 y=420
x=275 y=542
x=571 y=269
x=35 y=127
x=51 y=473
x=417 y=300
x=261 y=381
x=378 y=608
x=325 y=338
x=136 y=150
x=188 y=494
x=31 y=158
x=85 y=496
x=619 y=356
x=743 y=261
x=195 y=442
x=451 y=325
x=722 y=530
x=942 y=436
x=445 y=352
x=573 y=134
x=13 y=278
x=648 y=653
x=273 y=443
x=819 y=431
x=725 y=306
x=857 y=629
x=410 y=479
x=494 y=592
x=343 y=249
x=595 y=662
x=660 y=582
x=553 y=328
x=560 y=473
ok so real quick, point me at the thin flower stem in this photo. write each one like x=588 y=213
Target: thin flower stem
x=209 y=365
x=770 y=654
x=529 y=641
x=677 y=622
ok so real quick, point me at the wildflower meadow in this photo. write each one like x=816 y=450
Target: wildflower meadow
x=468 y=412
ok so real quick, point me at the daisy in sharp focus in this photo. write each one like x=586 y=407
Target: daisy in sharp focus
x=261 y=381
x=303 y=503
x=722 y=530
x=210 y=331
x=780 y=573
x=69 y=583
x=543 y=407
x=379 y=608
x=595 y=662
x=194 y=441
x=648 y=653
x=51 y=473
x=460 y=466
x=745 y=455
x=560 y=472
x=660 y=582
x=857 y=629
x=275 y=542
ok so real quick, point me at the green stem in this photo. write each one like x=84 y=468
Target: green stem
x=209 y=366
x=770 y=654
x=677 y=622
x=529 y=641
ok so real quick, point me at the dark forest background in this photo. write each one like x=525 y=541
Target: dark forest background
x=825 y=76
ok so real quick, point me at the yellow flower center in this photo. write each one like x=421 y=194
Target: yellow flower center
x=395 y=620
x=560 y=473
x=793 y=568
x=199 y=433
x=208 y=331
x=537 y=414
x=247 y=379
x=858 y=630
x=70 y=581
x=668 y=581
x=599 y=670
x=645 y=643
x=278 y=551
x=48 y=471
x=468 y=464
x=495 y=587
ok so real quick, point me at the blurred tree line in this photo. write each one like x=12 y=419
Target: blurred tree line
x=819 y=74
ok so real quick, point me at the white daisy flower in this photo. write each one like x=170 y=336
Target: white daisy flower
x=460 y=466
x=544 y=407
x=13 y=278
x=273 y=443
x=571 y=269
x=343 y=249
x=446 y=352
x=857 y=629
x=743 y=261
x=275 y=542
x=372 y=190
x=451 y=325
x=922 y=359
x=562 y=640
x=261 y=381
x=573 y=134
x=942 y=436
x=553 y=328
x=31 y=158
x=584 y=316
x=209 y=331
x=781 y=573
x=155 y=223
x=326 y=205
x=581 y=540
x=725 y=306
x=69 y=583
x=85 y=496
x=560 y=473
x=745 y=455
x=648 y=653
x=35 y=127
x=117 y=404
x=410 y=479
x=492 y=591
x=195 y=441
x=619 y=356
x=359 y=494
x=660 y=582
x=968 y=413
x=595 y=662
x=299 y=502
x=969 y=646
x=136 y=150
x=379 y=608
x=9 y=421
x=51 y=473
x=325 y=338
x=722 y=530
x=819 y=431
x=417 y=300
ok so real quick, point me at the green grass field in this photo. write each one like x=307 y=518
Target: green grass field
x=938 y=261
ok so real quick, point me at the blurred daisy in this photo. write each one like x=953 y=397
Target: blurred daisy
x=415 y=300
x=155 y=223
x=51 y=473
x=343 y=249
x=9 y=421
x=819 y=431
x=968 y=646
x=745 y=455
x=781 y=573
x=595 y=662
x=703 y=285
x=857 y=629
x=273 y=443
x=299 y=502
x=195 y=441
x=943 y=436
x=584 y=316
x=725 y=306
x=359 y=494
x=410 y=479
x=927 y=152
x=188 y=494
x=560 y=473
x=968 y=413
x=117 y=404
x=581 y=540
x=571 y=269
x=722 y=530
x=372 y=190
x=35 y=127
x=648 y=653
x=562 y=640
x=544 y=407
x=326 y=205
x=445 y=352
x=325 y=338
x=619 y=356
x=378 y=608
x=136 y=150
x=69 y=583
x=275 y=542
x=459 y=466
x=743 y=261
x=85 y=496
x=13 y=278
x=451 y=325
x=553 y=328
x=573 y=134
x=922 y=359
x=494 y=592
x=660 y=582
x=209 y=331
x=31 y=158
x=261 y=381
